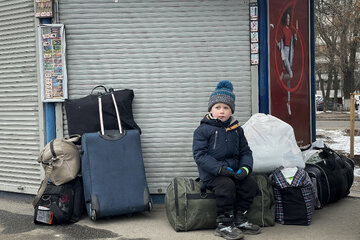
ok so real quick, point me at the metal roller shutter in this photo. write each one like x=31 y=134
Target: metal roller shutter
x=172 y=53
x=19 y=112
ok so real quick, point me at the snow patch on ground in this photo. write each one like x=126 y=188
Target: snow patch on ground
x=337 y=140
x=357 y=172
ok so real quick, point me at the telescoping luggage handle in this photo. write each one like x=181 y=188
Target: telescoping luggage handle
x=102 y=130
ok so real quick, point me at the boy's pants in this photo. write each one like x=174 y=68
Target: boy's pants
x=232 y=194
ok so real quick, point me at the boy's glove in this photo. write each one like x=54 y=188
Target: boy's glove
x=242 y=173
x=226 y=171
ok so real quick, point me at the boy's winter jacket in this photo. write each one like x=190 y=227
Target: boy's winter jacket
x=215 y=146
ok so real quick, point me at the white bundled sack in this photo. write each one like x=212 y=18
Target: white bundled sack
x=273 y=143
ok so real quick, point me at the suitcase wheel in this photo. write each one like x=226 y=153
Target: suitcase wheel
x=150 y=206
x=94 y=208
x=93 y=215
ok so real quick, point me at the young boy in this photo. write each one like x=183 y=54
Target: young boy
x=224 y=161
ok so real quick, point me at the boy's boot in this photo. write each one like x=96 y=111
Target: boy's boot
x=226 y=228
x=242 y=223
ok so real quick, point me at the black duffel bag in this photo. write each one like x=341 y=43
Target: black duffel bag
x=83 y=113
x=339 y=171
x=332 y=175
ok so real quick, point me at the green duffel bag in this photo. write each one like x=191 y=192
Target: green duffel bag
x=262 y=209
x=189 y=205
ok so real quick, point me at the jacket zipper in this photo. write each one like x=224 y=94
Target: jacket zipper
x=237 y=140
x=216 y=134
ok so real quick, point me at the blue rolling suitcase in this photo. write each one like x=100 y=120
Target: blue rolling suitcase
x=113 y=171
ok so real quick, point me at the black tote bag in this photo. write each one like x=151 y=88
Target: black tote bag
x=83 y=113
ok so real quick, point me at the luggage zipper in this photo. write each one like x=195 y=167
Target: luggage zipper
x=216 y=134
x=176 y=197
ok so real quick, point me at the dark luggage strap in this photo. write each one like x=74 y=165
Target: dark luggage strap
x=99 y=86
x=203 y=193
x=47 y=175
x=331 y=160
x=43 y=185
x=307 y=147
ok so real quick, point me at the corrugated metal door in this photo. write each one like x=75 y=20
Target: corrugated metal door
x=172 y=53
x=19 y=115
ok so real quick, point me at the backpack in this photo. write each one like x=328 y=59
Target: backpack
x=60 y=159
x=60 y=204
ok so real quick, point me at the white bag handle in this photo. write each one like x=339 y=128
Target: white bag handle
x=102 y=130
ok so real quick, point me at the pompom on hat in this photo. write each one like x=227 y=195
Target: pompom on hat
x=223 y=93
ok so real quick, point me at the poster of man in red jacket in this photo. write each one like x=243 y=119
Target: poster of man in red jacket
x=289 y=65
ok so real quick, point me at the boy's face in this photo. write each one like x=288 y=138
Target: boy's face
x=221 y=111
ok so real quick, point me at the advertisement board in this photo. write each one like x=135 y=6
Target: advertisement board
x=53 y=75
x=43 y=8
x=289 y=78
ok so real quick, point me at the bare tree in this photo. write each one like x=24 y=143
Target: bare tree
x=337 y=24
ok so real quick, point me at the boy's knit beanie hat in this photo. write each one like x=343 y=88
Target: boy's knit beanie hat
x=223 y=93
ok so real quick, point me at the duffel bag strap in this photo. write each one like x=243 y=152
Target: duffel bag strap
x=99 y=86
x=43 y=185
x=73 y=138
x=329 y=156
x=51 y=146
x=48 y=170
x=203 y=192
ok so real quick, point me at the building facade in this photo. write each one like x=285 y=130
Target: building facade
x=171 y=53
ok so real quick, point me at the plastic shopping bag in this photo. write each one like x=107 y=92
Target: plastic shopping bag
x=273 y=143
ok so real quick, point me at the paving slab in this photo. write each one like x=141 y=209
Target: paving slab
x=335 y=221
